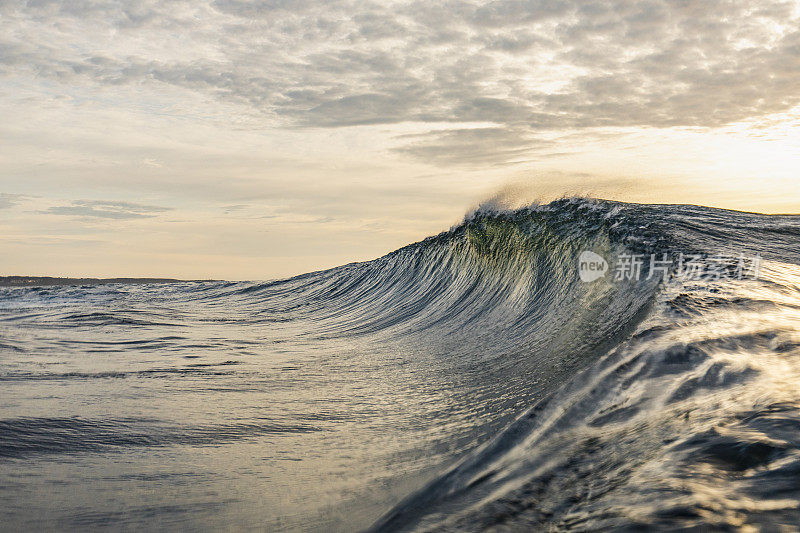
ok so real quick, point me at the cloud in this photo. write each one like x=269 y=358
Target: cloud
x=111 y=210
x=8 y=200
x=471 y=146
x=525 y=65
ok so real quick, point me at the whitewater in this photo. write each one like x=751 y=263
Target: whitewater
x=468 y=382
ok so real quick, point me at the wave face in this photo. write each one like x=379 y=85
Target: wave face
x=470 y=381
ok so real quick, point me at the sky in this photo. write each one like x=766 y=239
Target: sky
x=236 y=139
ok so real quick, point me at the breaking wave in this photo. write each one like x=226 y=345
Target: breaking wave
x=472 y=377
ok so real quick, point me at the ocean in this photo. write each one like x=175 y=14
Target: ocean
x=486 y=378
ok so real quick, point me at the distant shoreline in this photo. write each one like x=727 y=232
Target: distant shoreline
x=44 y=281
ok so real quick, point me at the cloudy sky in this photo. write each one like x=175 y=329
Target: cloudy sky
x=257 y=139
